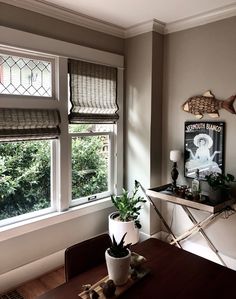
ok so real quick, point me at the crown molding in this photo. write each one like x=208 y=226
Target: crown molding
x=202 y=19
x=64 y=14
x=152 y=25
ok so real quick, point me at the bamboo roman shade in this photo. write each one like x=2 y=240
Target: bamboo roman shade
x=93 y=93
x=24 y=124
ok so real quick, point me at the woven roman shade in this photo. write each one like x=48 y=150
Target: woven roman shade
x=93 y=93
x=24 y=124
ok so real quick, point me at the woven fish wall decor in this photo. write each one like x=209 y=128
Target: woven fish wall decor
x=207 y=103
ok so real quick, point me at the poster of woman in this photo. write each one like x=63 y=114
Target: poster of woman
x=204 y=148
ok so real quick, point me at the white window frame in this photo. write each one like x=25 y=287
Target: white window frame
x=97 y=196
x=18 y=41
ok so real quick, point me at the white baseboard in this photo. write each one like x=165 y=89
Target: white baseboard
x=20 y=275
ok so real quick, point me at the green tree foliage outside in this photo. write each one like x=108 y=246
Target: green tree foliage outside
x=25 y=173
x=89 y=162
x=89 y=167
x=24 y=177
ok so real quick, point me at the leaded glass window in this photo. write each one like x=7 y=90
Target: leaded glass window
x=25 y=76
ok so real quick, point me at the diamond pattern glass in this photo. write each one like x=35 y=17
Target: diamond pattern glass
x=25 y=76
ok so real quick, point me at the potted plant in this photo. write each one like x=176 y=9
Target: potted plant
x=118 y=257
x=126 y=218
x=219 y=186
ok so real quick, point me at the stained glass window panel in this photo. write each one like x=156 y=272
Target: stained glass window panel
x=25 y=76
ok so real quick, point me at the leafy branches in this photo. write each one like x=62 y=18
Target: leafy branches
x=218 y=181
x=89 y=166
x=24 y=177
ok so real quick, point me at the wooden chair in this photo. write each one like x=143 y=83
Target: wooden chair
x=85 y=255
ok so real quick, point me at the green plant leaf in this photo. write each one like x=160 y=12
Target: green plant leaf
x=128 y=204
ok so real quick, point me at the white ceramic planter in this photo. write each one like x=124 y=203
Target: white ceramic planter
x=118 y=268
x=119 y=228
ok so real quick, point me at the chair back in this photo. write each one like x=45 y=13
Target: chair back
x=85 y=255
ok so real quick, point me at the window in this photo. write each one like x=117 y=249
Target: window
x=91 y=162
x=25 y=76
x=27 y=146
x=93 y=102
x=25 y=180
x=25 y=160
x=51 y=160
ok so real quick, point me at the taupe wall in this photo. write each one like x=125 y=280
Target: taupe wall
x=197 y=60
x=29 y=247
x=143 y=126
x=32 y=22
x=156 y=108
x=17 y=254
x=137 y=116
x=138 y=108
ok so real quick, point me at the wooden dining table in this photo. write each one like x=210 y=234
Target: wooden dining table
x=174 y=273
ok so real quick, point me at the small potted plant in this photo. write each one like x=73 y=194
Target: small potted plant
x=118 y=257
x=219 y=186
x=126 y=218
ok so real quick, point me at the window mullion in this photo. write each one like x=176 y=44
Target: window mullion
x=54 y=183
x=63 y=153
x=118 y=133
x=111 y=170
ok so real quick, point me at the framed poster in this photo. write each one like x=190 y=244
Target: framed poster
x=204 y=148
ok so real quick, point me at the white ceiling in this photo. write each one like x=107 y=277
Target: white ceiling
x=127 y=18
x=128 y=13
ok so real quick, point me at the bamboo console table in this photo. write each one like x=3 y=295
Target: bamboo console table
x=163 y=193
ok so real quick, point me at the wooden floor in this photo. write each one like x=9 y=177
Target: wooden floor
x=36 y=287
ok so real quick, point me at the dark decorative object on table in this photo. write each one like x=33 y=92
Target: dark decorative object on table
x=175 y=156
x=219 y=186
x=89 y=292
x=174 y=174
x=181 y=191
x=196 y=187
x=108 y=288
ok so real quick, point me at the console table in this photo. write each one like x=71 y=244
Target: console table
x=163 y=193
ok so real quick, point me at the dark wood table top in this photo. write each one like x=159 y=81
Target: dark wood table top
x=175 y=273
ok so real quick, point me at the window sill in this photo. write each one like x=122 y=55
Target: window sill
x=30 y=225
